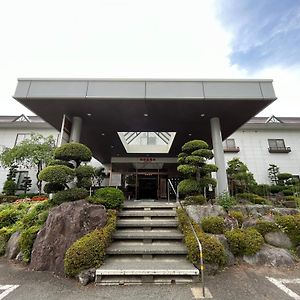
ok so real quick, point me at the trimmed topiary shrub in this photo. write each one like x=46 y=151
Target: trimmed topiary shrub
x=213 y=250
x=187 y=169
x=73 y=151
x=189 y=187
x=84 y=171
x=204 y=153
x=58 y=162
x=195 y=200
x=290 y=224
x=89 y=251
x=238 y=215
x=255 y=199
x=194 y=145
x=53 y=187
x=110 y=197
x=73 y=194
x=213 y=224
x=9 y=187
x=244 y=241
x=84 y=183
x=264 y=227
x=57 y=174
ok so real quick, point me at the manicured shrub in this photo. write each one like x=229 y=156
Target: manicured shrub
x=244 y=241
x=255 y=199
x=110 y=197
x=73 y=151
x=58 y=162
x=264 y=227
x=226 y=201
x=84 y=183
x=73 y=194
x=89 y=251
x=194 y=145
x=262 y=189
x=84 y=171
x=57 y=174
x=7 y=199
x=213 y=224
x=290 y=224
x=194 y=160
x=213 y=250
x=238 y=215
x=53 y=187
x=287 y=192
x=274 y=189
x=9 y=187
x=187 y=169
x=194 y=200
x=189 y=187
x=26 y=241
x=204 y=153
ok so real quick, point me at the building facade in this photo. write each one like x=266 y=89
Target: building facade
x=258 y=143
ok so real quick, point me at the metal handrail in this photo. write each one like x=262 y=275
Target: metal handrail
x=194 y=233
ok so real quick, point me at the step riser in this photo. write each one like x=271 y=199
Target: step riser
x=146 y=252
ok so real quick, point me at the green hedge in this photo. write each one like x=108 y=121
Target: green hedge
x=213 y=224
x=244 y=241
x=89 y=251
x=290 y=224
x=213 y=250
x=73 y=194
x=110 y=197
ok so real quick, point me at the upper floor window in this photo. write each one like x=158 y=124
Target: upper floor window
x=21 y=137
x=278 y=146
x=229 y=146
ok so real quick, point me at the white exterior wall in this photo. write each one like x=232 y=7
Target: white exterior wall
x=254 y=152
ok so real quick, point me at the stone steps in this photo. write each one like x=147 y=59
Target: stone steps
x=147 y=247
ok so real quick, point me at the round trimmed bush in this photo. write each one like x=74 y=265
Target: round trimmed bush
x=73 y=151
x=194 y=200
x=238 y=215
x=187 y=169
x=204 y=153
x=264 y=227
x=9 y=187
x=244 y=241
x=213 y=224
x=110 y=197
x=191 y=146
x=84 y=171
x=53 y=187
x=57 y=174
x=73 y=194
x=189 y=187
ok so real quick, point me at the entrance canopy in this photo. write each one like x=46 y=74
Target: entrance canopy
x=109 y=107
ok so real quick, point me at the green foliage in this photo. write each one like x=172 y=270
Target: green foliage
x=288 y=192
x=262 y=189
x=189 y=187
x=26 y=241
x=73 y=194
x=238 y=215
x=110 y=197
x=290 y=224
x=9 y=216
x=73 y=151
x=274 y=189
x=239 y=177
x=244 y=241
x=57 y=174
x=264 y=227
x=213 y=224
x=195 y=160
x=226 y=201
x=255 y=199
x=195 y=200
x=53 y=187
x=213 y=250
x=9 y=187
x=273 y=171
x=58 y=162
x=84 y=183
x=187 y=170
x=285 y=179
x=194 y=145
x=203 y=153
x=85 y=171
x=89 y=251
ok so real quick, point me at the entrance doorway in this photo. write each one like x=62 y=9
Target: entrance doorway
x=147 y=187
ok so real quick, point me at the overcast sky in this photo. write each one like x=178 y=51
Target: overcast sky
x=152 y=39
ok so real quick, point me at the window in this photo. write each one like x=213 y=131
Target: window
x=21 y=137
x=229 y=146
x=20 y=177
x=278 y=146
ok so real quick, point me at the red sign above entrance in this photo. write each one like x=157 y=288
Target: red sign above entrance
x=147 y=159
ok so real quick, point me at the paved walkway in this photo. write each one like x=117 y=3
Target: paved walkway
x=241 y=282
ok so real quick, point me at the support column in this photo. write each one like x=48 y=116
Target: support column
x=216 y=135
x=76 y=129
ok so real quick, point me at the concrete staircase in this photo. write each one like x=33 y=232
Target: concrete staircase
x=147 y=247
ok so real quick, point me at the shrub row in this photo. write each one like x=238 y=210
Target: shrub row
x=89 y=251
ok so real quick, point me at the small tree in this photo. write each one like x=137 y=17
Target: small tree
x=273 y=171
x=26 y=184
x=239 y=177
x=285 y=179
x=10 y=186
x=195 y=169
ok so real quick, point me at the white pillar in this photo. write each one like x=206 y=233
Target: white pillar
x=76 y=129
x=216 y=135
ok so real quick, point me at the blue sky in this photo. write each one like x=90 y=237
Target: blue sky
x=265 y=32
x=152 y=39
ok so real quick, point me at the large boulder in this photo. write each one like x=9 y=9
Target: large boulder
x=271 y=256
x=12 y=247
x=65 y=224
x=278 y=239
x=197 y=212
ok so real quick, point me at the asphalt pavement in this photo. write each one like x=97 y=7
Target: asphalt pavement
x=241 y=282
